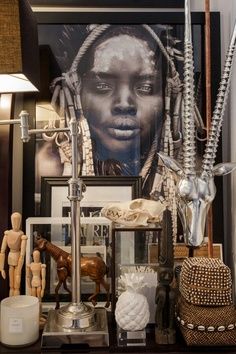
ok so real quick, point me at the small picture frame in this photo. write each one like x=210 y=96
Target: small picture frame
x=181 y=252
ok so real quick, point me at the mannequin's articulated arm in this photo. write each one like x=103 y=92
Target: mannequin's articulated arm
x=2 y=256
x=43 y=272
x=28 y=278
x=22 y=251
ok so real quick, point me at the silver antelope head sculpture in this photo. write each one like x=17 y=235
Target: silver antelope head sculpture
x=196 y=189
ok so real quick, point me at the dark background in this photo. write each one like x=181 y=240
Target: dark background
x=110 y=3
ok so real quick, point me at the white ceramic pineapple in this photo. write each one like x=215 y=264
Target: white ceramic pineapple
x=132 y=309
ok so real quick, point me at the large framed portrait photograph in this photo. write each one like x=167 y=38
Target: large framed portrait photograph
x=112 y=70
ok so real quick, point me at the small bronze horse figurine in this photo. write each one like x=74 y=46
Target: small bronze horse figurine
x=94 y=267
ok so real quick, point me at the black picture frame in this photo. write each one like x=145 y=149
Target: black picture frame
x=133 y=184
x=129 y=17
x=47 y=183
x=109 y=3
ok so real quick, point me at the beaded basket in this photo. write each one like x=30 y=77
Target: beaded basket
x=206 y=325
x=206 y=281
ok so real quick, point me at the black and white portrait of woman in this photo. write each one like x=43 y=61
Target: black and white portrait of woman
x=123 y=84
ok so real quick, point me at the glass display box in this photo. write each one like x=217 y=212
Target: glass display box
x=131 y=253
x=135 y=249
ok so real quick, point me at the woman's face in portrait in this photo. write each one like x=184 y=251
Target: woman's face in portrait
x=121 y=95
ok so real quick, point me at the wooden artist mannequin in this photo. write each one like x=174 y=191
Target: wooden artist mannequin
x=15 y=240
x=36 y=276
x=36 y=281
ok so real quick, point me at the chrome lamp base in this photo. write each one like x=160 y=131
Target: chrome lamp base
x=73 y=317
x=66 y=331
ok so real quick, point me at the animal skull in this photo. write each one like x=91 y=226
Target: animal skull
x=138 y=212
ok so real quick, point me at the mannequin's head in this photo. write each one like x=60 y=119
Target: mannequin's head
x=16 y=221
x=36 y=256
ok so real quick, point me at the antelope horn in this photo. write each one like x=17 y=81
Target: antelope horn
x=189 y=150
x=218 y=113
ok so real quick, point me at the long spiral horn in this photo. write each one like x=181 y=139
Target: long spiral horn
x=218 y=114
x=189 y=149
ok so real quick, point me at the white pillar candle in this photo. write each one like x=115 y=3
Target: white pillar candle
x=19 y=320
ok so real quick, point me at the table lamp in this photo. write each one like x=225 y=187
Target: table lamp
x=19 y=64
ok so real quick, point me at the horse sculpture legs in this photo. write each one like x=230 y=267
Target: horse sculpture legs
x=106 y=286
x=62 y=276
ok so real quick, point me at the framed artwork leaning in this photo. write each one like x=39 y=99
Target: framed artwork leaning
x=100 y=191
x=112 y=70
x=54 y=223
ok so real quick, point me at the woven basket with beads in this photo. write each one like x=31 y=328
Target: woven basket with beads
x=206 y=281
x=206 y=325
